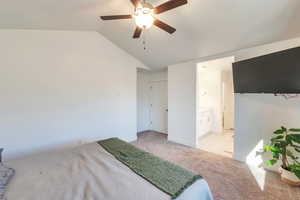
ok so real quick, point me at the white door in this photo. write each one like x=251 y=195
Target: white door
x=159 y=106
x=228 y=102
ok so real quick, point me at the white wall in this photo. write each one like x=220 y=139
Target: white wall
x=62 y=88
x=252 y=52
x=144 y=79
x=143 y=101
x=159 y=76
x=182 y=103
x=184 y=125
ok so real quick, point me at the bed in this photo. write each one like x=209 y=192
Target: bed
x=87 y=172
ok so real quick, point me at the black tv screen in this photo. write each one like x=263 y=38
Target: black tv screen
x=273 y=73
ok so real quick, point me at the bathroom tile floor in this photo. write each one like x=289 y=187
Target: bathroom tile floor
x=218 y=143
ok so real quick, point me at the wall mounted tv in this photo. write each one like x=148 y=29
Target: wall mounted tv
x=274 y=73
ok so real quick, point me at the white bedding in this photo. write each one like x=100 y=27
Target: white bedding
x=86 y=173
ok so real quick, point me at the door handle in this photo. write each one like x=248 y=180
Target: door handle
x=167 y=110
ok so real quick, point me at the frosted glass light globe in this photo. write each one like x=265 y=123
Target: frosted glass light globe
x=143 y=17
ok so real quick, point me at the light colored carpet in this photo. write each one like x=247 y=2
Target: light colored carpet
x=227 y=178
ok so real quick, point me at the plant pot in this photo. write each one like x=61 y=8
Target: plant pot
x=289 y=177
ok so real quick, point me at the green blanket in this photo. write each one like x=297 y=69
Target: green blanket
x=166 y=176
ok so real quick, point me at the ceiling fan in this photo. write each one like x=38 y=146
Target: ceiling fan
x=144 y=15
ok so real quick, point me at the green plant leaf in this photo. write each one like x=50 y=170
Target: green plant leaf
x=290 y=154
x=281 y=144
x=297 y=149
x=279 y=131
x=296 y=146
x=283 y=128
x=273 y=149
x=296 y=172
x=275 y=155
x=289 y=139
x=295 y=138
x=294 y=129
x=267 y=148
x=295 y=166
x=271 y=162
x=277 y=138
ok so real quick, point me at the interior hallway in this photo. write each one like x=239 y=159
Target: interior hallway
x=227 y=178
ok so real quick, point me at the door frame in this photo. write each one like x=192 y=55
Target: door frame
x=151 y=106
x=224 y=102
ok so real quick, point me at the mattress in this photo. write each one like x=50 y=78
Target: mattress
x=87 y=172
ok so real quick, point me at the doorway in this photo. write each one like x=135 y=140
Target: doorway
x=159 y=106
x=152 y=101
x=215 y=106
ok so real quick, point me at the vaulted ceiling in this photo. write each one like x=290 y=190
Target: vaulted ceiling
x=204 y=27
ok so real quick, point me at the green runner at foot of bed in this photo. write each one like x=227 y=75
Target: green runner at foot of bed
x=166 y=176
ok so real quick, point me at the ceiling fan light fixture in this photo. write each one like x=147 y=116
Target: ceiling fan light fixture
x=143 y=15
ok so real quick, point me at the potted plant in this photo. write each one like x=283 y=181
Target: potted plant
x=284 y=145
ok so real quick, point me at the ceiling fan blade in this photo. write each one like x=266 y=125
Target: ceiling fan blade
x=171 y=4
x=137 y=32
x=135 y=2
x=115 y=17
x=164 y=26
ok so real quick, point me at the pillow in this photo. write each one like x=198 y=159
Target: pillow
x=6 y=174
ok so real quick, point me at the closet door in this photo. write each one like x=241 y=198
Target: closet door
x=159 y=106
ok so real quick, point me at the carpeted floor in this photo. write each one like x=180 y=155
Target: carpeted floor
x=227 y=178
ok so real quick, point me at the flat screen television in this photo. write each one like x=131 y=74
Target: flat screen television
x=273 y=73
